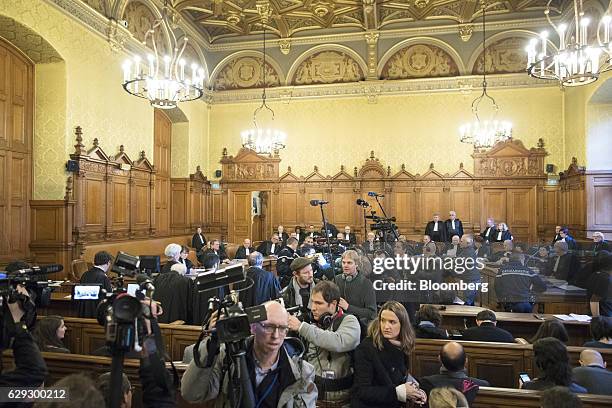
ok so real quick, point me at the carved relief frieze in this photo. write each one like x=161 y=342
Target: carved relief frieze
x=248 y=165
x=244 y=73
x=327 y=67
x=419 y=61
x=503 y=57
x=510 y=159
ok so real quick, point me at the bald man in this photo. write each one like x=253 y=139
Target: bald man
x=592 y=373
x=274 y=364
x=453 y=373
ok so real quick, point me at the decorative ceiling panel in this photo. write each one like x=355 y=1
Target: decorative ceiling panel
x=222 y=19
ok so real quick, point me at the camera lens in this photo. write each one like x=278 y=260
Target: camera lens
x=126 y=308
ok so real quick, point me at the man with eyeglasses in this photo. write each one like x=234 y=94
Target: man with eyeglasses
x=330 y=341
x=280 y=377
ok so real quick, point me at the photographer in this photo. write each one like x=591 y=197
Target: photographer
x=275 y=367
x=95 y=276
x=331 y=339
x=158 y=389
x=30 y=368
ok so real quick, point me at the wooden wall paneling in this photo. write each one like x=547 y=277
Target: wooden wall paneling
x=198 y=193
x=179 y=206
x=162 y=129
x=548 y=213
x=403 y=208
x=16 y=124
x=503 y=186
x=494 y=205
x=574 y=199
x=521 y=213
x=461 y=200
x=239 y=225
x=288 y=202
x=51 y=232
x=599 y=202
x=142 y=193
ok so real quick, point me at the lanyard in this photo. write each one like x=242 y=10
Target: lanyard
x=266 y=392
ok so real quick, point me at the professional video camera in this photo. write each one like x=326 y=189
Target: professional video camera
x=232 y=329
x=39 y=291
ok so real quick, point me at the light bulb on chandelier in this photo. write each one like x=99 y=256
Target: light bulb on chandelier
x=484 y=134
x=164 y=81
x=578 y=60
x=263 y=140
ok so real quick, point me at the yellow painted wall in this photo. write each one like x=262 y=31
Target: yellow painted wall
x=575 y=100
x=599 y=136
x=93 y=99
x=413 y=129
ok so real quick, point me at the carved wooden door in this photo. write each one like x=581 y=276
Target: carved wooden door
x=162 y=130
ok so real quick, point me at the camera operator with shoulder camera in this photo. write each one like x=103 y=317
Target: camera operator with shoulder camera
x=18 y=316
x=276 y=371
x=331 y=340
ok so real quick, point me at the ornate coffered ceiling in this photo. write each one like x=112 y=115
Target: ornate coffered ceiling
x=218 y=19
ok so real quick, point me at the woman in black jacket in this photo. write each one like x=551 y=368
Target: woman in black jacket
x=49 y=334
x=381 y=362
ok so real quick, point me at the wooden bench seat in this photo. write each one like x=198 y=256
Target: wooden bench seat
x=490 y=397
x=61 y=365
x=498 y=363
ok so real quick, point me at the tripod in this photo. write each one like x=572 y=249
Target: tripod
x=241 y=391
x=326 y=229
x=386 y=217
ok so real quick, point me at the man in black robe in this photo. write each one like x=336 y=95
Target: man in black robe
x=215 y=248
x=557 y=235
x=282 y=235
x=174 y=291
x=198 y=242
x=454 y=226
x=95 y=276
x=436 y=229
x=271 y=247
x=265 y=285
x=599 y=242
x=332 y=231
x=349 y=236
x=489 y=232
x=244 y=250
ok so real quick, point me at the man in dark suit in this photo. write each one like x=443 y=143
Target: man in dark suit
x=198 y=242
x=349 y=236
x=562 y=265
x=265 y=285
x=271 y=247
x=489 y=232
x=487 y=330
x=95 y=276
x=436 y=229
x=592 y=373
x=568 y=239
x=453 y=373
x=454 y=226
x=244 y=250
x=312 y=233
x=215 y=248
x=332 y=231
x=599 y=242
x=557 y=235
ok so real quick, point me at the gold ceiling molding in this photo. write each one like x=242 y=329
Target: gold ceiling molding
x=28 y=42
x=371 y=90
x=220 y=20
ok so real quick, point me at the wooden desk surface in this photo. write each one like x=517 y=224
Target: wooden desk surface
x=472 y=311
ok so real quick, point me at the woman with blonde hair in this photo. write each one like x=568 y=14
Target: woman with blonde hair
x=446 y=397
x=382 y=361
x=503 y=233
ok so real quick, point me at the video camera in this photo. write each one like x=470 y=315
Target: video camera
x=39 y=295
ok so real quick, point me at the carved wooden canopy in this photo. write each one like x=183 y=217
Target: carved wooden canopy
x=249 y=166
x=510 y=159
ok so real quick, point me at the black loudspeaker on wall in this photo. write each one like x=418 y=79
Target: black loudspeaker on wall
x=550 y=168
x=72 y=166
x=217 y=173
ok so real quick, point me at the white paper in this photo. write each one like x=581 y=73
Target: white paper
x=580 y=318
x=563 y=317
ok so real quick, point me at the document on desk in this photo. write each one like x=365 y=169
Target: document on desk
x=580 y=317
x=563 y=317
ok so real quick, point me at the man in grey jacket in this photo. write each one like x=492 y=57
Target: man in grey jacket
x=280 y=377
x=357 y=293
x=330 y=342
